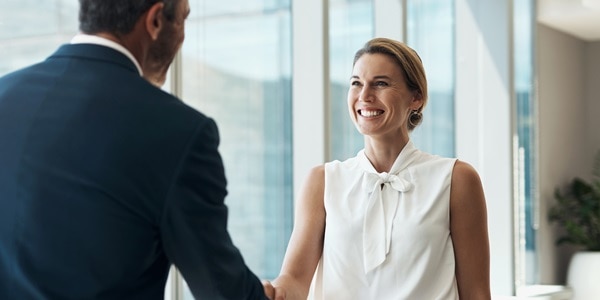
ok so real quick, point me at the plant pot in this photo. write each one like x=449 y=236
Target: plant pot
x=583 y=275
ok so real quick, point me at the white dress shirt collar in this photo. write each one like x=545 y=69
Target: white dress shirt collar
x=97 y=40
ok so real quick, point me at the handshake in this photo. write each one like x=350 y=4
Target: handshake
x=285 y=287
x=273 y=293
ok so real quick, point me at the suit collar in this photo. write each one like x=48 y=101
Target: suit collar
x=98 y=40
x=95 y=52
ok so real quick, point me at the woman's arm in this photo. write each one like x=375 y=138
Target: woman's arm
x=306 y=243
x=469 y=231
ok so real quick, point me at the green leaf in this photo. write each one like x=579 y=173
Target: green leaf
x=577 y=211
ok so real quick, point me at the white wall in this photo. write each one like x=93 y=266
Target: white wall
x=563 y=133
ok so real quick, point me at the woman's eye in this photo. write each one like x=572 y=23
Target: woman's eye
x=354 y=83
x=381 y=83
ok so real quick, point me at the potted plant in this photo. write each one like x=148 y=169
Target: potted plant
x=577 y=211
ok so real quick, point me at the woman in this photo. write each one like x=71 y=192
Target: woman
x=392 y=222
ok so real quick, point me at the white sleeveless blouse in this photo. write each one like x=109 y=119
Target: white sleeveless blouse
x=387 y=236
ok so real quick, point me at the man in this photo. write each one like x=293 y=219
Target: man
x=105 y=180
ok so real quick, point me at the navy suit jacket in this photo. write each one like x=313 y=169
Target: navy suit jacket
x=105 y=181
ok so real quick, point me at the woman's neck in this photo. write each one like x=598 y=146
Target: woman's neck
x=383 y=153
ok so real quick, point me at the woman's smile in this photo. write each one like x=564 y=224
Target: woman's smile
x=369 y=113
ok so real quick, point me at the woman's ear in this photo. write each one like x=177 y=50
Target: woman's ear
x=417 y=101
x=154 y=20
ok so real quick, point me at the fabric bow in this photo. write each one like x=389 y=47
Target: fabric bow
x=381 y=209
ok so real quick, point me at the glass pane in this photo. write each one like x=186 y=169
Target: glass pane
x=527 y=261
x=350 y=26
x=31 y=30
x=430 y=31
x=237 y=69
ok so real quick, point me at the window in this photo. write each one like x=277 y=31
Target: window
x=350 y=26
x=236 y=68
x=430 y=31
x=31 y=30
x=526 y=199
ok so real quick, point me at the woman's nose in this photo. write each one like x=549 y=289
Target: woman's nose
x=365 y=95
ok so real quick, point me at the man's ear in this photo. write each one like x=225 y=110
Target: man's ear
x=154 y=20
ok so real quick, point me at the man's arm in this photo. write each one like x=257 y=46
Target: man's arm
x=194 y=225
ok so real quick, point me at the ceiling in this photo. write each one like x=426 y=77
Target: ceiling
x=580 y=18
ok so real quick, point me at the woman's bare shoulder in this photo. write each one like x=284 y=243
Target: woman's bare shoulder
x=466 y=186
x=464 y=173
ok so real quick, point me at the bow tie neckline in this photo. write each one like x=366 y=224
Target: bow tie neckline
x=383 y=195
